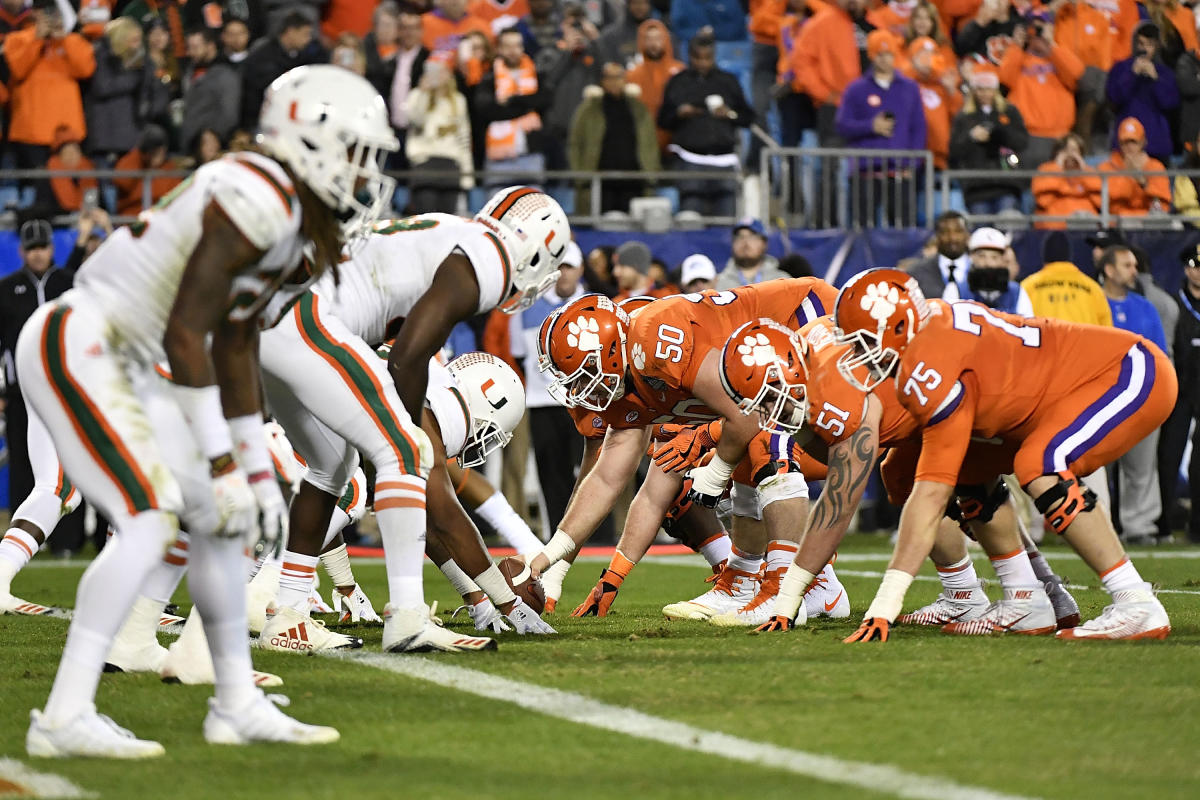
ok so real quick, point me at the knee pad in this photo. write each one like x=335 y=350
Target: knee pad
x=781 y=486
x=977 y=504
x=744 y=501
x=679 y=506
x=1063 y=502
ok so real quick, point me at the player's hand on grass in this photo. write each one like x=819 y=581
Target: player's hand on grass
x=600 y=599
x=872 y=629
x=775 y=623
x=525 y=621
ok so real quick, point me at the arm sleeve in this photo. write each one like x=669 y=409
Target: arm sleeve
x=849 y=125
x=1154 y=327
x=1119 y=85
x=81 y=58
x=960 y=140
x=1103 y=309
x=1014 y=135
x=22 y=51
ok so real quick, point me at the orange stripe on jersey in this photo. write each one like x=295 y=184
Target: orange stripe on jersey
x=285 y=196
x=58 y=484
x=163 y=371
x=174 y=560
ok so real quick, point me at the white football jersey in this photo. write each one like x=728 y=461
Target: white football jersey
x=387 y=274
x=134 y=275
x=449 y=407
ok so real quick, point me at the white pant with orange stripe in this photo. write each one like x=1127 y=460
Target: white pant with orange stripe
x=53 y=495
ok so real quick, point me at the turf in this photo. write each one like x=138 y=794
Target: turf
x=1028 y=716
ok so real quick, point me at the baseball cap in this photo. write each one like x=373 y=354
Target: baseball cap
x=634 y=254
x=1106 y=237
x=1190 y=256
x=1131 y=130
x=37 y=233
x=696 y=267
x=880 y=42
x=987 y=239
x=573 y=257
x=750 y=223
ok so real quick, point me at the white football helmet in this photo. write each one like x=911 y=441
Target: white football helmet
x=534 y=227
x=331 y=128
x=496 y=399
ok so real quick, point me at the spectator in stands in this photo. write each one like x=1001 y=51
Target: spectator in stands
x=1041 y=77
x=94 y=15
x=69 y=190
x=598 y=270
x=992 y=31
x=1144 y=88
x=557 y=445
x=883 y=110
x=118 y=88
x=796 y=266
x=540 y=26
x=1187 y=78
x=15 y=15
x=291 y=47
x=1066 y=195
x=631 y=270
x=1137 y=470
x=987 y=280
x=346 y=16
x=941 y=98
x=446 y=26
x=235 y=40
x=1061 y=290
x=564 y=71
x=439 y=139
x=1134 y=196
x=612 y=130
x=924 y=20
x=796 y=111
x=216 y=14
x=938 y=274
x=212 y=90
x=45 y=64
x=766 y=16
x=703 y=106
x=511 y=100
x=168 y=12
x=986 y=135
x=697 y=273
x=207 y=146
x=748 y=260
x=163 y=87
x=150 y=154
x=1186 y=194
x=381 y=45
x=891 y=16
x=348 y=53
x=1174 y=438
x=1164 y=305
x=657 y=66
x=827 y=61
x=1176 y=25
x=662 y=276
x=726 y=20
x=619 y=41
x=410 y=58
x=1101 y=240
x=91 y=229
x=1085 y=31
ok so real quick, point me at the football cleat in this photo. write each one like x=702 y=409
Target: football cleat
x=759 y=610
x=260 y=597
x=15 y=605
x=1022 y=609
x=260 y=720
x=171 y=623
x=410 y=630
x=952 y=605
x=317 y=604
x=732 y=590
x=1134 y=614
x=826 y=597
x=88 y=734
x=293 y=632
x=1066 y=610
x=354 y=607
x=135 y=648
x=189 y=661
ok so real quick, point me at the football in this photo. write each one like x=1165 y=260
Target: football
x=530 y=589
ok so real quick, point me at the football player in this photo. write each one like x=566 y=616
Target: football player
x=1069 y=397
x=192 y=282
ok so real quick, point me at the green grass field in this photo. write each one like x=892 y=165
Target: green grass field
x=1014 y=715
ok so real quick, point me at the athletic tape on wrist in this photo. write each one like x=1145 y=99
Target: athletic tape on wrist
x=559 y=547
x=201 y=406
x=890 y=597
x=791 y=590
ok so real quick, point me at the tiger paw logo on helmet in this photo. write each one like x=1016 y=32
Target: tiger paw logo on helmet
x=880 y=301
x=584 y=334
x=756 y=351
x=638 y=355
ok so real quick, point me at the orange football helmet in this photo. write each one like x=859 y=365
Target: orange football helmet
x=763 y=369
x=630 y=305
x=585 y=350
x=877 y=313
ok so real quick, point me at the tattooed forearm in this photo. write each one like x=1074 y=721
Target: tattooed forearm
x=850 y=465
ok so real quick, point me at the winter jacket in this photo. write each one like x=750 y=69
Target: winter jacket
x=1060 y=290
x=44 y=81
x=1187 y=78
x=212 y=97
x=1085 y=32
x=129 y=190
x=1146 y=99
x=865 y=98
x=115 y=102
x=1064 y=195
x=765 y=18
x=266 y=62
x=1127 y=197
x=989 y=41
x=1187 y=345
x=443 y=131
x=563 y=75
x=826 y=56
x=1043 y=87
x=652 y=76
x=1185 y=199
x=68 y=191
x=587 y=137
x=1008 y=132
x=704 y=134
x=381 y=69
x=940 y=108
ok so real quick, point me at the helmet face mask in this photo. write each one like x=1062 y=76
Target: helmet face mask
x=781 y=406
x=590 y=387
x=535 y=229
x=876 y=314
x=764 y=372
x=582 y=346
x=866 y=364
x=485 y=438
x=495 y=398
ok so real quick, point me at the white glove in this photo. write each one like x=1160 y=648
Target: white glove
x=354 y=608
x=237 y=510
x=273 y=512
x=486 y=616
x=525 y=621
x=709 y=482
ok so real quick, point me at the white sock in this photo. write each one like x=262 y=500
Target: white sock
x=493 y=583
x=496 y=511
x=338 y=520
x=959 y=575
x=715 y=549
x=780 y=553
x=296 y=581
x=552 y=579
x=216 y=580
x=744 y=562
x=1122 y=576
x=461 y=582
x=16 y=549
x=141 y=625
x=106 y=593
x=337 y=566
x=1013 y=569
x=403 y=534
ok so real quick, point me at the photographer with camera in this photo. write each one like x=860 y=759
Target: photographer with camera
x=1143 y=87
x=1041 y=77
x=1066 y=195
x=987 y=134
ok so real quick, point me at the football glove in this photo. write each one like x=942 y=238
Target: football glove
x=486 y=616
x=687 y=445
x=775 y=623
x=354 y=607
x=525 y=621
x=273 y=516
x=872 y=629
x=602 y=596
x=236 y=508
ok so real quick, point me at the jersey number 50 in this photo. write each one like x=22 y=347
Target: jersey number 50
x=669 y=340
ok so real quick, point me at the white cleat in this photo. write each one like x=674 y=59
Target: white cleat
x=261 y=721
x=732 y=589
x=355 y=607
x=171 y=623
x=260 y=597
x=952 y=605
x=827 y=597
x=1066 y=610
x=292 y=632
x=411 y=630
x=88 y=734
x=759 y=610
x=1134 y=614
x=1022 y=609
x=189 y=661
x=125 y=656
x=15 y=605
x=317 y=604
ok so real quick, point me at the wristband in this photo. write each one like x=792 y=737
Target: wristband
x=250 y=444
x=559 y=547
x=890 y=597
x=201 y=406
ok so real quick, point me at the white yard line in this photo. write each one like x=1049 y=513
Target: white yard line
x=27 y=783
x=629 y=722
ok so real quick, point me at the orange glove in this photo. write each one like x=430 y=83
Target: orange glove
x=687 y=444
x=775 y=623
x=603 y=594
x=872 y=629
